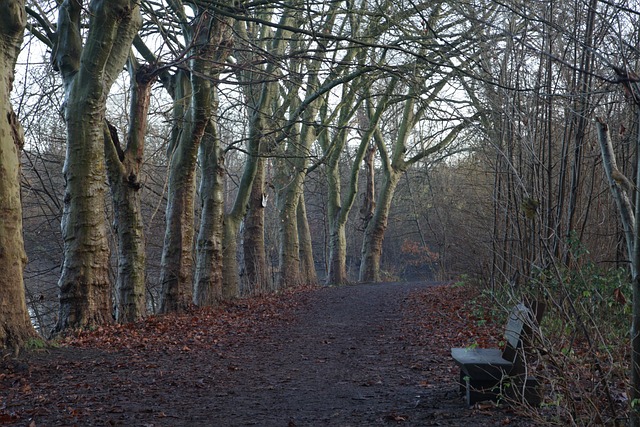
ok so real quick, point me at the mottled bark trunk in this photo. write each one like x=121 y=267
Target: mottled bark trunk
x=209 y=37
x=308 y=272
x=177 y=254
x=369 y=203
x=232 y=221
x=85 y=288
x=123 y=170
x=15 y=325
x=337 y=272
x=209 y=261
x=289 y=251
x=374 y=233
x=255 y=257
x=230 y=272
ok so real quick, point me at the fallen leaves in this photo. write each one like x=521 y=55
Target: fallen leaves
x=450 y=321
x=195 y=328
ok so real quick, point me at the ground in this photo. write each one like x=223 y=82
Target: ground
x=364 y=355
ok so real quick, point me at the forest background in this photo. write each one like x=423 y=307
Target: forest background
x=198 y=151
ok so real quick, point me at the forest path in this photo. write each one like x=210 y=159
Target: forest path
x=341 y=356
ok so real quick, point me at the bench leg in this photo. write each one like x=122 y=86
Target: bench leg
x=462 y=381
x=511 y=389
x=481 y=390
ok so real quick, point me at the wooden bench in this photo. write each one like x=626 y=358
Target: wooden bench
x=491 y=373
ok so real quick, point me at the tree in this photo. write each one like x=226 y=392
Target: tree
x=209 y=246
x=260 y=105
x=123 y=171
x=15 y=324
x=394 y=164
x=88 y=72
x=207 y=40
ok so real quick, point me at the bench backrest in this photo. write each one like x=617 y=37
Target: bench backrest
x=517 y=331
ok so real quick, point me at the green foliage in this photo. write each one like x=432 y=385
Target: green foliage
x=36 y=344
x=462 y=280
x=590 y=293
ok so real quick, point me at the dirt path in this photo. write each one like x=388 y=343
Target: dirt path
x=344 y=356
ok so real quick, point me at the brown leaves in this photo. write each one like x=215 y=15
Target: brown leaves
x=451 y=321
x=185 y=332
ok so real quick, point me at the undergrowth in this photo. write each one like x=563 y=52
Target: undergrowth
x=582 y=347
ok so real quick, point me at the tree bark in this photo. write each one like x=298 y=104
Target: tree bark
x=177 y=253
x=209 y=36
x=15 y=325
x=123 y=171
x=255 y=257
x=88 y=73
x=209 y=261
x=308 y=273
x=289 y=251
x=620 y=187
x=376 y=227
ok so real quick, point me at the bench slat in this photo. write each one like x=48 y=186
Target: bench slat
x=519 y=320
x=479 y=356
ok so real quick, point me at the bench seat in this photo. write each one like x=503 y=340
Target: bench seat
x=482 y=363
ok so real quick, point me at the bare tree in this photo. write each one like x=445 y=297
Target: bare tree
x=15 y=325
x=88 y=70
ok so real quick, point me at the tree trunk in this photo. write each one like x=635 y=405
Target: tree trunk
x=337 y=273
x=232 y=220
x=209 y=261
x=308 y=272
x=289 y=258
x=374 y=233
x=177 y=253
x=123 y=170
x=85 y=288
x=210 y=37
x=255 y=257
x=15 y=325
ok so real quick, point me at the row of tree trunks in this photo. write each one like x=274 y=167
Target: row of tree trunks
x=261 y=96
x=15 y=325
x=205 y=270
